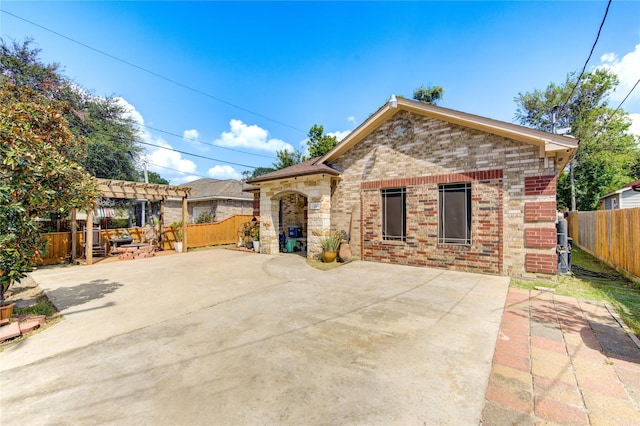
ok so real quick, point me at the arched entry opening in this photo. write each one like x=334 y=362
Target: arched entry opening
x=290 y=218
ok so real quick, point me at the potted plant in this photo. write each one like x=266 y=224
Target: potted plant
x=255 y=235
x=177 y=231
x=330 y=246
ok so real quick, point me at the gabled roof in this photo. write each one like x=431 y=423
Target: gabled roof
x=631 y=186
x=207 y=188
x=551 y=145
x=309 y=167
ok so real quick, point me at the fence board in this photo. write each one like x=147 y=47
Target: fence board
x=200 y=235
x=612 y=236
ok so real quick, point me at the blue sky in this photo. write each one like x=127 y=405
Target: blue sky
x=265 y=72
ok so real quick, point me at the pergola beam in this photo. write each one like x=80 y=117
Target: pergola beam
x=137 y=191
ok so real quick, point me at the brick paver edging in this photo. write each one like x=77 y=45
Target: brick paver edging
x=564 y=361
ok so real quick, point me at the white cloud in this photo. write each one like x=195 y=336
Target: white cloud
x=191 y=135
x=253 y=137
x=627 y=71
x=169 y=164
x=351 y=119
x=170 y=159
x=224 y=172
x=340 y=134
x=635 y=124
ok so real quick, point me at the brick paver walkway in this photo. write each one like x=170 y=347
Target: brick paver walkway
x=561 y=360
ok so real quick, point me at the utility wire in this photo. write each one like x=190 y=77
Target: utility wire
x=177 y=150
x=625 y=98
x=205 y=144
x=604 y=126
x=155 y=74
x=197 y=155
x=588 y=58
x=176 y=170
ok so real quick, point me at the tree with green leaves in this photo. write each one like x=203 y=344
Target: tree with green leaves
x=608 y=155
x=111 y=135
x=39 y=174
x=258 y=171
x=428 y=95
x=319 y=143
x=287 y=158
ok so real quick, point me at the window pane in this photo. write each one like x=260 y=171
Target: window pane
x=454 y=225
x=393 y=214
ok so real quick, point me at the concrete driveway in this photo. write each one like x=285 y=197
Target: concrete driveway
x=224 y=337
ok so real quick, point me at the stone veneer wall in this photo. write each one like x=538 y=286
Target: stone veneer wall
x=317 y=190
x=412 y=146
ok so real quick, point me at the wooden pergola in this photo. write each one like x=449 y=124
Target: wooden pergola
x=136 y=191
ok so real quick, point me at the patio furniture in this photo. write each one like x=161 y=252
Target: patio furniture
x=115 y=242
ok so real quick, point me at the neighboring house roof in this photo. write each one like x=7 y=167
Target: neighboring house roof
x=631 y=186
x=308 y=167
x=210 y=189
x=551 y=145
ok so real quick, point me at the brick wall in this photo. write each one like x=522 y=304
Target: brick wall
x=427 y=152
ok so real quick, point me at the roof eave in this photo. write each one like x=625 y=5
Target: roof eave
x=547 y=142
x=258 y=181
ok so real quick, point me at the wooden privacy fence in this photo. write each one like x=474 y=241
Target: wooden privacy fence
x=58 y=248
x=612 y=236
x=224 y=232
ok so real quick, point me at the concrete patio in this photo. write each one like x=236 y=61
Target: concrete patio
x=222 y=337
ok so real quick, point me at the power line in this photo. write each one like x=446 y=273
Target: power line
x=197 y=155
x=588 y=58
x=604 y=126
x=206 y=144
x=625 y=98
x=179 y=171
x=155 y=74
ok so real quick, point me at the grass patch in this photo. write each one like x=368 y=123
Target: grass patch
x=622 y=294
x=42 y=307
x=325 y=266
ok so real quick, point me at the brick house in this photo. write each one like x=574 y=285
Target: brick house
x=417 y=184
x=220 y=198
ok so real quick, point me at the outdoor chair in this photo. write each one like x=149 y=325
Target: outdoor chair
x=99 y=247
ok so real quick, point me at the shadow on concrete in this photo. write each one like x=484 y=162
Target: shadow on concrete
x=66 y=297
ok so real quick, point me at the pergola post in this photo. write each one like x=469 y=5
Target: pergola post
x=161 y=225
x=74 y=230
x=184 y=224
x=88 y=235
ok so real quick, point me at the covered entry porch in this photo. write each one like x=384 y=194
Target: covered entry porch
x=300 y=199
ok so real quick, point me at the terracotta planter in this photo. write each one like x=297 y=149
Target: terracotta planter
x=6 y=311
x=329 y=256
x=344 y=254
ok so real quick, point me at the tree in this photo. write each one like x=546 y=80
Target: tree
x=155 y=178
x=111 y=136
x=287 y=158
x=607 y=155
x=39 y=173
x=258 y=171
x=319 y=143
x=428 y=95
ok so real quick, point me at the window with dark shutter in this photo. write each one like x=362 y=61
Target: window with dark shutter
x=394 y=214
x=454 y=214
